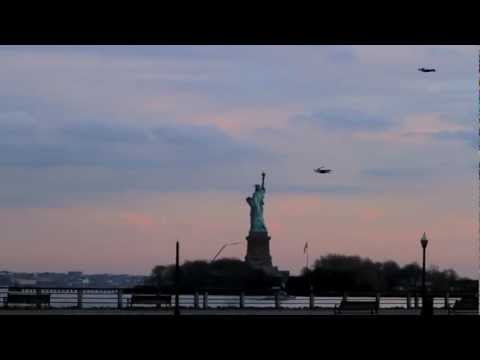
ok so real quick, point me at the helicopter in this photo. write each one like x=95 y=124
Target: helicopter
x=322 y=170
x=426 y=70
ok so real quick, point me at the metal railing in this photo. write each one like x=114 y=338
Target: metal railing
x=119 y=298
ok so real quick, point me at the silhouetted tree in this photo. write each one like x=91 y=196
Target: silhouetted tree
x=220 y=275
x=339 y=273
x=411 y=276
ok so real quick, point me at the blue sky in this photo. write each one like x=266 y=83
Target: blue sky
x=82 y=127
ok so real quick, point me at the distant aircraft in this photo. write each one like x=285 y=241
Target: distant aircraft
x=321 y=170
x=426 y=70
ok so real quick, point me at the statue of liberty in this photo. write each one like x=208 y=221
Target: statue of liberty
x=257 y=224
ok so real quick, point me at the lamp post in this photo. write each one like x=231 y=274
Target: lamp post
x=223 y=247
x=424 y=243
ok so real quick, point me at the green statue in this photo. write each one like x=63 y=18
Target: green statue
x=257 y=223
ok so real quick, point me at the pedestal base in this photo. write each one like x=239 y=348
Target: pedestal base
x=258 y=250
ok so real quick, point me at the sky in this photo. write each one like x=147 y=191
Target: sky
x=110 y=154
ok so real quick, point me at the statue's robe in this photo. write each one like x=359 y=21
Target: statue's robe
x=257 y=223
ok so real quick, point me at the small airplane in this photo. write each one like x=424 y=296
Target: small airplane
x=426 y=70
x=321 y=170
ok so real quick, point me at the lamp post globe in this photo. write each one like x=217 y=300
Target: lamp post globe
x=424 y=241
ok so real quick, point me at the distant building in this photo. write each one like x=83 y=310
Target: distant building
x=75 y=273
x=26 y=282
x=5 y=278
x=69 y=279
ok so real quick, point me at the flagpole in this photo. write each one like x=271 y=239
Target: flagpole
x=307 y=270
x=305 y=250
x=177 y=278
x=307 y=257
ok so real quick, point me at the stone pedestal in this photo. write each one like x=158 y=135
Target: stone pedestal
x=258 y=255
x=258 y=250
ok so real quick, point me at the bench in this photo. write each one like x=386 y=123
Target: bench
x=150 y=299
x=357 y=306
x=464 y=305
x=27 y=298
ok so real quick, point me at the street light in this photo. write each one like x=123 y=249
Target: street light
x=424 y=243
x=223 y=247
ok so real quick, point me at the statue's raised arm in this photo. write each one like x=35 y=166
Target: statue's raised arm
x=263 y=181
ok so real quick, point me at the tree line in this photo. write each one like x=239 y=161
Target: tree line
x=340 y=273
x=222 y=276
x=330 y=273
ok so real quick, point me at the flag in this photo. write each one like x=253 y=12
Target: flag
x=305 y=248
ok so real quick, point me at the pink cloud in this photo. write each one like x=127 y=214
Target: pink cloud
x=139 y=220
x=240 y=121
x=417 y=128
